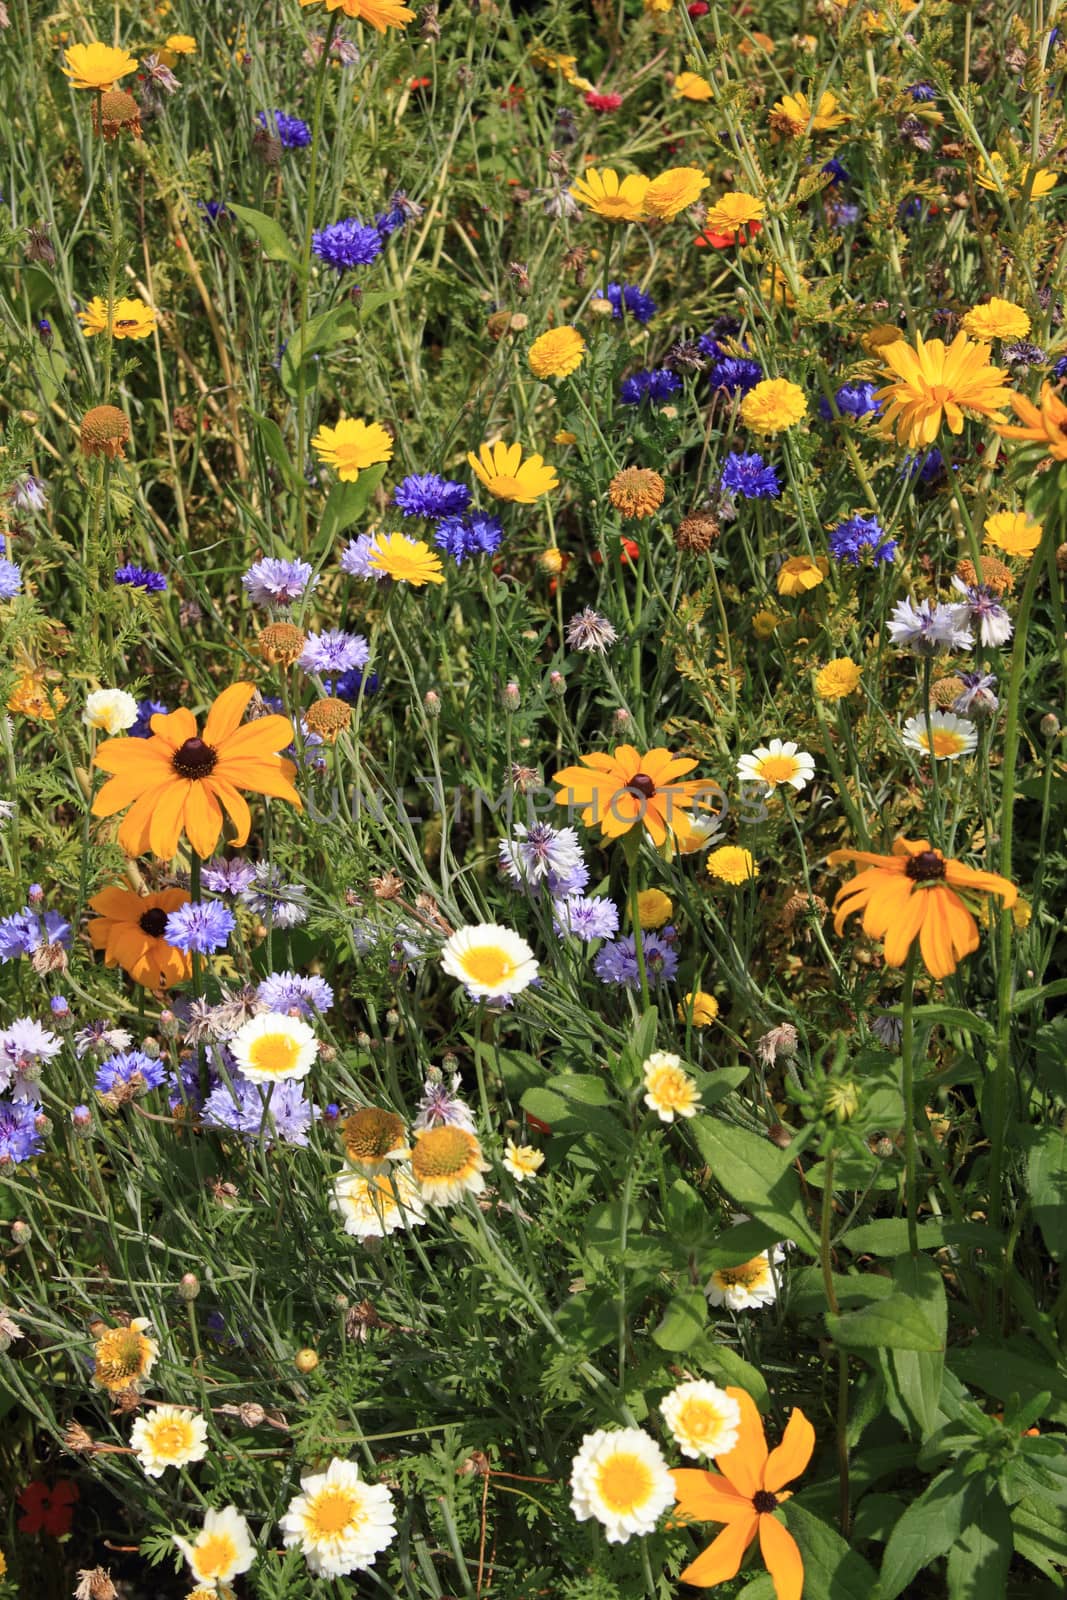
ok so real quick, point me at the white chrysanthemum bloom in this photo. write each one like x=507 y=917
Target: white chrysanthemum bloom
x=447 y=1163
x=950 y=735
x=777 y=763
x=168 y=1437
x=619 y=1477
x=272 y=1047
x=110 y=710
x=489 y=960
x=339 y=1522
x=747 y=1286
x=379 y=1203
x=522 y=1160
x=222 y=1549
x=703 y=1419
x=671 y=1092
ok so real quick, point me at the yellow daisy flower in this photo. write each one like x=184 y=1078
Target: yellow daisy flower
x=609 y=196
x=731 y=863
x=97 y=66
x=691 y=86
x=773 y=405
x=130 y=319
x=556 y=354
x=352 y=446
x=1013 y=532
x=674 y=191
x=405 y=560
x=502 y=470
x=934 y=384
x=447 y=1163
x=996 y=319
x=838 y=678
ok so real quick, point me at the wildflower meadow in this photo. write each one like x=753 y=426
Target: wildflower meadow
x=533 y=1027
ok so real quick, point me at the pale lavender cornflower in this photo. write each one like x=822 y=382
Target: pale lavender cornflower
x=29 y=929
x=273 y=582
x=334 y=651
x=585 y=916
x=284 y=904
x=928 y=628
x=10 y=579
x=231 y=877
x=440 y=1106
x=260 y=1111
x=200 y=926
x=981 y=606
x=588 y=630
x=979 y=697
x=616 y=963
x=20 y=1137
x=100 y=1037
x=539 y=853
x=289 y=991
x=28 y=494
x=24 y=1048
x=355 y=559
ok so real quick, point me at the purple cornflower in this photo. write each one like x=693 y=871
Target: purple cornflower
x=861 y=539
x=844 y=213
x=20 y=1139
x=28 y=494
x=852 y=400
x=980 y=605
x=427 y=494
x=475 y=534
x=10 y=579
x=979 y=695
x=202 y=926
x=922 y=91
x=1023 y=354
x=655 y=384
x=214 y=211
x=100 y=1037
x=927 y=467
x=289 y=991
x=540 y=853
x=586 y=916
x=588 y=630
x=293 y=132
x=261 y=1111
x=350 y=685
x=629 y=300
x=391 y=221
x=749 y=476
x=928 y=628
x=347 y=244
x=28 y=930
x=734 y=374
x=334 y=651
x=24 y=1048
x=440 y=1106
x=272 y=582
x=131 y=1069
x=616 y=963
x=284 y=904
x=146 y=710
x=356 y=556
x=228 y=877
x=836 y=172
x=1059 y=369
x=132 y=577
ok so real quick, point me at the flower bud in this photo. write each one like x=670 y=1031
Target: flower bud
x=431 y=703
x=21 y=1232
x=1049 y=725
x=557 y=684
x=510 y=698
x=81 y=1119
x=305 y=1360
x=188 y=1287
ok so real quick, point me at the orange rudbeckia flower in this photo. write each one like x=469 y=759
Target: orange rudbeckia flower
x=180 y=781
x=744 y=1493
x=912 y=894
x=627 y=788
x=129 y=927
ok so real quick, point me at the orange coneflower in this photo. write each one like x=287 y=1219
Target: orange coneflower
x=912 y=894
x=129 y=929
x=619 y=791
x=179 y=781
x=744 y=1493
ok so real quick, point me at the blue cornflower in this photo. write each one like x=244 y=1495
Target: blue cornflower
x=10 y=579
x=836 y=172
x=750 y=476
x=391 y=221
x=19 y=1137
x=202 y=926
x=146 y=710
x=347 y=244
x=272 y=582
x=334 y=651
x=473 y=535
x=293 y=132
x=44 y=331
x=289 y=991
x=132 y=577
x=628 y=300
x=350 y=685
x=656 y=384
x=119 y=1072
x=735 y=374
x=861 y=539
x=427 y=494
x=853 y=400
x=616 y=963
x=213 y=210
x=1022 y=353
x=922 y=91
x=1060 y=368
x=28 y=930
x=928 y=467
x=259 y=1111
x=586 y=916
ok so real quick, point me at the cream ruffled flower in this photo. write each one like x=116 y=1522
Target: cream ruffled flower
x=703 y=1420
x=168 y=1436
x=339 y=1522
x=620 y=1478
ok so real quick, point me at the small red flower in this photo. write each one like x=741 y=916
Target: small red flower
x=48 y=1508
x=723 y=241
x=628 y=553
x=419 y=83
x=543 y=1128
x=603 y=102
x=699 y=8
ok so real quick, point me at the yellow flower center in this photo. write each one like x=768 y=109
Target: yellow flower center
x=274 y=1052
x=746 y=1276
x=670 y=1087
x=487 y=964
x=946 y=743
x=120 y=1353
x=699 y=1419
x=624 y=1482
x=335 y=1510
x=941 y=392
x=777 y=769
x=505 y=485
x=214 y=1555
x=171 y=1437
x=444 y=1153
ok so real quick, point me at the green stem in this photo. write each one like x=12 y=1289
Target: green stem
x=826 y=1263
x=907 y=1050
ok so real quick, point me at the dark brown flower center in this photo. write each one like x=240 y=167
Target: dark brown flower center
x=926 y=866
x=641 y=784
x=194 y=759
x=153 y=922
x=763 y=1501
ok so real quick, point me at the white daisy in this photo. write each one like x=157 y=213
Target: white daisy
x=339 y=1522
x=702 y=1418
x=272 y=1047
x=489 y=960
x=744 y=1287
x=376 y=1204
x=777 y=763
x=222 y=1549
x=168 y=1437
x=952 y=736
x=619 y=1477
x=447 y=1163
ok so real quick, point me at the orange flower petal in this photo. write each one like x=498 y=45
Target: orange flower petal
x=225 y=715
x=134 y=829
x=961 y=877
x=174 y=727
x=263 y=737
x=235 y=805
x=779 y=1550
x=706 y=1496
x=143 y=756
x=788 y=1460
x=722 y=1559
x=902 y=926
x=203 y=817
x=260 y=777
x=165 y=825
x=744 y=1464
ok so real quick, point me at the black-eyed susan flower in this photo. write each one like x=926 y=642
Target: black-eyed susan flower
x=996 y=319
x=378 y=14
x=489 y=960
x=222 y=1550
x=447 y=1163
x=674 y=191
x=702 y=1419
x=744 y=1494
x=780 y=763
x=556 y=353
x=917 y=894
x=129 y=928
x=630 y=789
x=130 y=319
x=97 y=66
x=1044 y=424
x=411 y=561
x=374 y=1204
x=124 y=1357
x=620 y=1479
x=352 y=446
x=522 y=1161
x=637 y=492
x=1013 y=533
x=338 y=1522
x=609 y=196
x=934 y=384
x=168 y=1436
x=773 y=405
x=732 y=863
x=273 y=1047
x=669 y=1090
x=838 y=679
x=507 y=476
x=177 y=781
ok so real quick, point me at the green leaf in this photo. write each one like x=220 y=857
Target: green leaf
x=758 y=1176
x=684 y=1320
x=271 y=235
x=979 y=1560
x=807 y=1290
x=949 y=1017
x=588 y=1321
x=888 y=1236
x=273 y=442
x=917 y=1373
x=346 y=503
x=761 y=1588
x=739 y=1244
x=876 y=1517
x=728 y=1368
x=1046 y=1177
x=1040 y=1530
x=715 y=1086
x=1004 y=1368
x=1032 y=997
x=319 y=335
x=929 y=1528
x=896 y=1323
x=832 y=1571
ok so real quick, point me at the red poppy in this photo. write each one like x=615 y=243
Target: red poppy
x=603 y=102
x=628 y=553
x=542 y=1127
x=514 y=95
x=48 y=1508
x=723 y=241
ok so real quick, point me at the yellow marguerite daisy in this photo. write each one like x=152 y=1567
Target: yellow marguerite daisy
x=502 y=470
x=614 y=198
x=97 y=66
x=405 y=560
x=674 y=191
x=130 y=319
x=352 y=446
